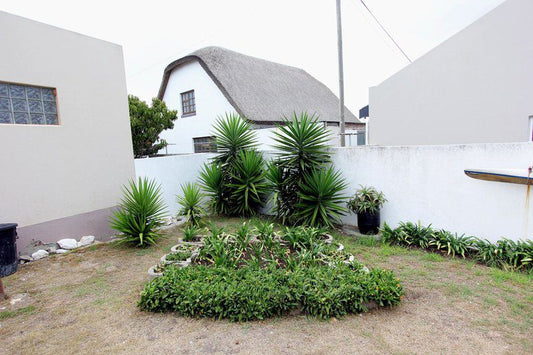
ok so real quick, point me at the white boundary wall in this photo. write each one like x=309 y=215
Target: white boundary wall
x=428 y=184
x=422 y=183
x=171 y=172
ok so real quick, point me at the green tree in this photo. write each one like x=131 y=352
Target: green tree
x=147 y=123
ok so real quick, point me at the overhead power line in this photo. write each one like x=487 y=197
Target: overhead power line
x=386 y=32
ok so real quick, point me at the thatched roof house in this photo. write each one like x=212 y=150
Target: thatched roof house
x=260 y=90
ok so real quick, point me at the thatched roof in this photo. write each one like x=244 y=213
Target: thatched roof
x=263 y=91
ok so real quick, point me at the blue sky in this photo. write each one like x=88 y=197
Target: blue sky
x=301 y=33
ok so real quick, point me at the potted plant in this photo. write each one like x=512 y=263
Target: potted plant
x=367 y=203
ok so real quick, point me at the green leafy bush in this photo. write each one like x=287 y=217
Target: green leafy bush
x=301 y=173
x=140 y=214
x=321 y=198
x=191 y=203
x=366 y=200
x=253 y=293
x=190 y=232
x=234 y=180
x=504 y=253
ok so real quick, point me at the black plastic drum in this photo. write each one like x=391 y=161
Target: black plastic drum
x=8 y=249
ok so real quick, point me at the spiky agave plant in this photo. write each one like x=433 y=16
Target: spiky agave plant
x=213 y=179
x=140 y=214
x=302 y=142
x=233 y=134
x=321 y=198
x=249 y=186
x=191 y=202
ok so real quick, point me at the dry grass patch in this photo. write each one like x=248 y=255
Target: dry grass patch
x=86 y=302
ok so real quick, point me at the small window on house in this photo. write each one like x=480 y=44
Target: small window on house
x=205 y=145
x=188 y=103
x=24 y=104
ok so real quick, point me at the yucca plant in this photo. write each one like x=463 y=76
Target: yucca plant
x=140 y=214
x=213 y=181
x=233 y=134
x=191 y=201
x=248 y=185
x=302 y=143
x=321 y=198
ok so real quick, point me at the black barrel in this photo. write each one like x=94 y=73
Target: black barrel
x=8 y=249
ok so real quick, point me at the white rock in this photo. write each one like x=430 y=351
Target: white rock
x=68 y=243
x=39 y=254
x=86 y=240
x=61 y=251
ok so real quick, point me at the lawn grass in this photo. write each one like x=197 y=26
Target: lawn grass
x=450 y=306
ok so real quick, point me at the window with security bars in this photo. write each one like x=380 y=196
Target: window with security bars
x=205 y=145
x=24 y=104
x=188 y=103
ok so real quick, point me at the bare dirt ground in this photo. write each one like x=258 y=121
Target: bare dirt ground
x=85 y=302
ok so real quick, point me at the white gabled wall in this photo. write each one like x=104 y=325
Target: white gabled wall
x=476 y=87
x=210 y=103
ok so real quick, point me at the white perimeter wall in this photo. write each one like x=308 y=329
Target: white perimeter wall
x=476 y=87
x=210 y=103
x=171 y=172
x=422 y=183
x=428 y=184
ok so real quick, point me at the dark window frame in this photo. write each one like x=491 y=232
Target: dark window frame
x=206 y=144
x=188 y=103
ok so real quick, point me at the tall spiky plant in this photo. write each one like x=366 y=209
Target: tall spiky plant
x=249 y=184
x=140 y=214
x=302 y=143
x=233 y=134
x=234 y=179
x=191 y=202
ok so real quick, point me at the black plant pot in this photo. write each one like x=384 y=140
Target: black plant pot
x=368 y=223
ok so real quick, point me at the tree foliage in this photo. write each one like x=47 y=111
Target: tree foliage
x=147 y=123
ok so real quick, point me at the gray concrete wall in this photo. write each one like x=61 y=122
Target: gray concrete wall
x=50 y=173
x=477 y=87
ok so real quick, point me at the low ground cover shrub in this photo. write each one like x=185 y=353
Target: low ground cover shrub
x=258 y=293
x=257 y=273
x=505 y=253
x=140 y=214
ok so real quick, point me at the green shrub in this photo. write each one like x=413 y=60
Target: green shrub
x=321 y=198
x=254 y=293
x=190 y=232
x=366 y=200
x=249 y=186
x=234 y=180
x=301 y=173
x=504 y=253
x=191 y=203
x=140 y=213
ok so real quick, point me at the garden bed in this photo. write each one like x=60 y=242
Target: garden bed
x=255 y=274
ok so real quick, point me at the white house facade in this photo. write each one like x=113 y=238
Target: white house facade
x=214 y=81
x=476 y=87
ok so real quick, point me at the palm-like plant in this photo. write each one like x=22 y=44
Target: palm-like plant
x=213 y=181
x=140 y=213
x=321 y=198
x=249 y=185
x=191 y=203
x=233 y=135
x=302 y=142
